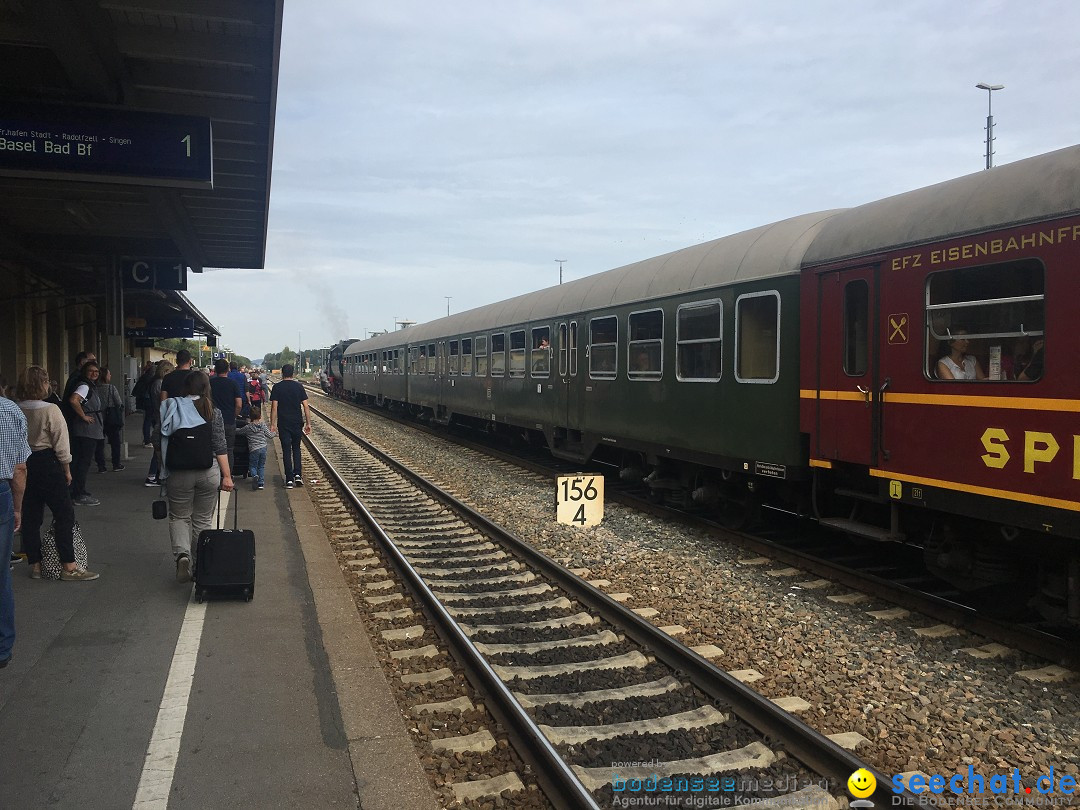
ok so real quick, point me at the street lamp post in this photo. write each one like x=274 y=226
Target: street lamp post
x=561 y=263
x=989 y=88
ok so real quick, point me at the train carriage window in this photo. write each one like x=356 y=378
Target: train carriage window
x=757 y=337
x=466 y=357
x=604 y=348
x=431 y=358
x=421 y=364
x=699 y=337
x=414 y=360
x=645 y=345
x=540 y=352
x=399 y=361
x=517 y=353
x=562 y=350
x=856 y=315
x=573 y=348
x=498 y=354
x=455 y=361
x=480 y=343
x=999 y=309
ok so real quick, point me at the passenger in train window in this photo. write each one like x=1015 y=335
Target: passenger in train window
x=641 y=362
x=1030 y=363
x=956 y=363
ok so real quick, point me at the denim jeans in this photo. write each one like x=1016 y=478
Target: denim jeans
x=257 y=465
x=290 y=436
x=7 y=592
x=147 y=424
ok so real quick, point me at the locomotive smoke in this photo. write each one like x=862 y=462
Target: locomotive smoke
x=335 y=316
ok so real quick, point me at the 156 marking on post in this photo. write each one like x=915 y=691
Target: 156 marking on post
x=579 y=499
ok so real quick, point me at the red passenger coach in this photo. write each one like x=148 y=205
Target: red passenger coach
x=984 y=473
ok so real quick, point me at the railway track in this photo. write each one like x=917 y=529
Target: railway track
x=880 y=571
x=583 y=685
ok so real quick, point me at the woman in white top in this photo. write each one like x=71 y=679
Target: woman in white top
x=958 y=364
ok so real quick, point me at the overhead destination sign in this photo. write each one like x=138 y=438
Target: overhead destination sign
x=106 y=145
x=163 y=328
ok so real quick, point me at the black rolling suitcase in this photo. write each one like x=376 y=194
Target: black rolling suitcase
x=241 y=456
x=225 y=561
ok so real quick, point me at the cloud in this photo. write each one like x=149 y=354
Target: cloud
x=427 y=149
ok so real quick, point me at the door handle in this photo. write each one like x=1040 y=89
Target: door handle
x=866 y=394
x=881 y=416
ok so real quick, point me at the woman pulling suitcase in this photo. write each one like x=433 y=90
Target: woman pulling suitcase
x=195 y=465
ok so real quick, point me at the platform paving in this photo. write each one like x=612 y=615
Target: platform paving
x=281 y=704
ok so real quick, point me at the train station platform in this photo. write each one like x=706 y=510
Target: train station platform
x=124 y=692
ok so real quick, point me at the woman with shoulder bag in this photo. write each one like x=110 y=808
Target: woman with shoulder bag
x=195 y=465
x=86 y=429
x=48 y=474
x=113 y=412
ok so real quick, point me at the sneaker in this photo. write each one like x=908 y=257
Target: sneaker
x=101 y=469
x=5 y=661
x=147 y=445
x=86 y=500
x=289 y=485
x=16 y=558
x=262 y=485
x=151 y=482
x=254 y=485
x=298 y=480
x=119 y=467
x=183 y=568
x=35 y=572
x=78 y=575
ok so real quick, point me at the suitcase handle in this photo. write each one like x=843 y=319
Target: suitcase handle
x=236 y=510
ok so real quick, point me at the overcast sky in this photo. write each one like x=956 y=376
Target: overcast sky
x=428 y=149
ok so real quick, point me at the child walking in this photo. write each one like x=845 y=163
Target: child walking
x=258 y=434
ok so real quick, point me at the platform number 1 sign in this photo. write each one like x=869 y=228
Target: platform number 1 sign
x=579 y=500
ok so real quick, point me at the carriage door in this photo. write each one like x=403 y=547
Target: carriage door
x=849 y=396
x=441 y=372
x=570 y=404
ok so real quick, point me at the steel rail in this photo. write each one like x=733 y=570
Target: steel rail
x=804 y=743
x=560 y=784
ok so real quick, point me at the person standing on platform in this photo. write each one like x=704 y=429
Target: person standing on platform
x=112 y=413
x=289 y=418
x=87 y=429
x=240 y=378
x=173 y=384
x=48 y=475
x=141 y=394
x=81 y=359
x=14 y=451
x=228 y=400
x=161 y=370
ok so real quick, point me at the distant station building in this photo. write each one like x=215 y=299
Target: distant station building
x=136 y=143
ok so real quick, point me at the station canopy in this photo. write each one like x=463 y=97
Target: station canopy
x=156 y=72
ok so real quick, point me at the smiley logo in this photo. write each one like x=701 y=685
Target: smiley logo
x=861 y=783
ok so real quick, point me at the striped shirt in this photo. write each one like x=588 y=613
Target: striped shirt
x=14 y=448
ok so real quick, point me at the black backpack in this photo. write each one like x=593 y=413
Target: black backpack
x=141 y=391
x=190 y=448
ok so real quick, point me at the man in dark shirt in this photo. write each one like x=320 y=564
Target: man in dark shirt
x=240 y=378
x=227 y=400
x=173 y=383
x=289 y=416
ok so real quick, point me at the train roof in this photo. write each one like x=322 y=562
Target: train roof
x=763 y=252
x=1031 y=190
